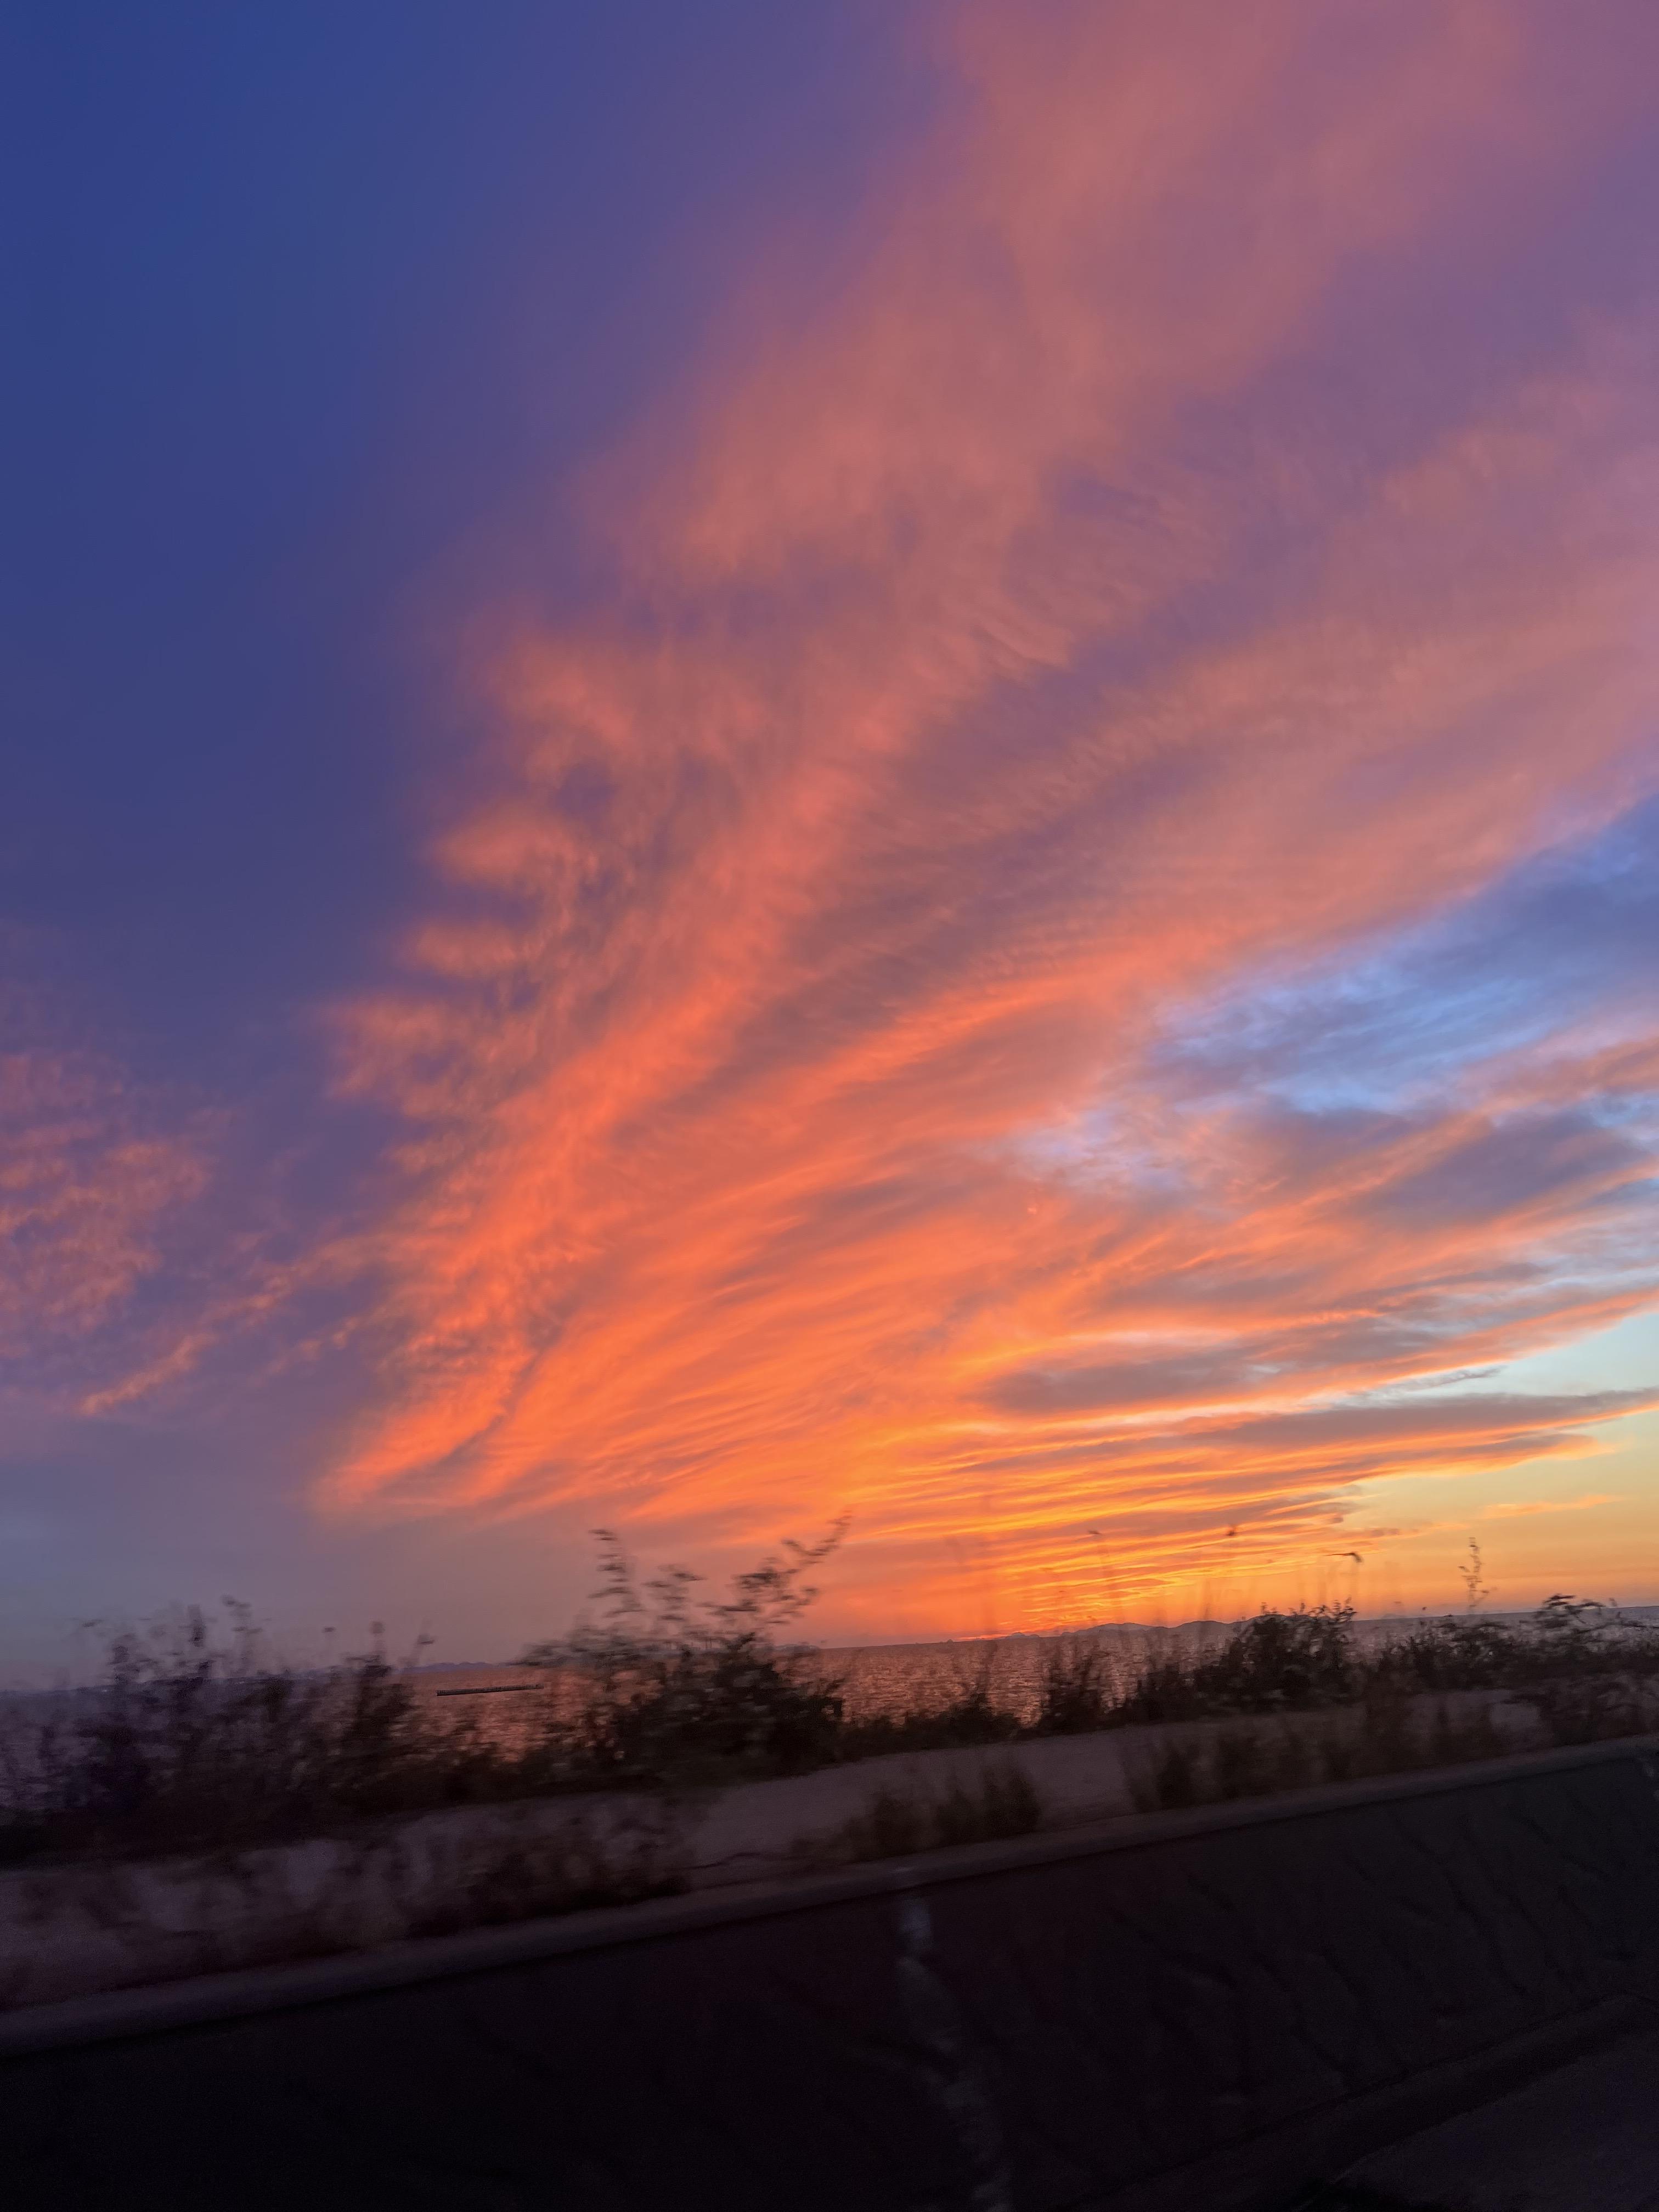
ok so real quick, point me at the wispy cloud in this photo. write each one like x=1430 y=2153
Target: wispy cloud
x=925 y=1008
x=90 y=1176
x=1513 y=1509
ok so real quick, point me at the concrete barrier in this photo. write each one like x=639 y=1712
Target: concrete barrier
x=1202 y=2009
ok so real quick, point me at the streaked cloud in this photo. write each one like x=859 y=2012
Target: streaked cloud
x=90 y=1176
x=1014 y=671
x=1051 y=958
x=1511 y=1509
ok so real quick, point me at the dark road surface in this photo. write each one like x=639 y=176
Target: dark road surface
x=1584 y=2139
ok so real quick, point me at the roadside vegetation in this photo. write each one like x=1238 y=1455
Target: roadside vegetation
x=997 y=1803
x=197 y=1738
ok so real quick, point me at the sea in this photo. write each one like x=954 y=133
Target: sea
x=874 y=1679
x=897 y=1677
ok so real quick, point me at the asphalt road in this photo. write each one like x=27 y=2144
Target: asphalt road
x=1584 y=2139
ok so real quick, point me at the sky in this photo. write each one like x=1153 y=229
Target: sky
x=764 y=765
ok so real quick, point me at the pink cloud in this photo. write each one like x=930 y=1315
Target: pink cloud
x=1003 y=658
x=86 y=1181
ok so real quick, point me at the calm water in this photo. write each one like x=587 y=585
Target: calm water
x=891 y=1678
x=877 y=1677
x=895 y=1678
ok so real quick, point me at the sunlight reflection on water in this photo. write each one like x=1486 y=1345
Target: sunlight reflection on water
x=502 y=1702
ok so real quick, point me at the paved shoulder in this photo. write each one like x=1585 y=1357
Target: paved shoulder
x=1584 y=2139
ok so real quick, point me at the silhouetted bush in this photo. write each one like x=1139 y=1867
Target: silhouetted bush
x=1080 y=1689
x=998 y=1803
x=668 y=1688
x=1471 y=1653
x=1274 y=1662
x=195 y=1739
x=971 y=1716
x=1254 y=1758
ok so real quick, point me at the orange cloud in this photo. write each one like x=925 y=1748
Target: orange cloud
x=1007 y=657
x=86 y=1185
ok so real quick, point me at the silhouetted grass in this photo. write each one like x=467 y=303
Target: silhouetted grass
x=497 y=1880
x=1245 y=1758
x=1082 y=1687
x=968 y=1717
x=196 y=1740
x=998 y=1802
x=193 y=1739
x=669 y=1689
x=1274 y=1662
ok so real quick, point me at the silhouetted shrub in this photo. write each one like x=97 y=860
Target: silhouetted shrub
x=1273 y=1663
x=997 y=1803
x=971 y=1716
x=1471 y=1653
x=668 y=1688
x=1257 y=1757
x=1081 y=1688
x=195 y=1739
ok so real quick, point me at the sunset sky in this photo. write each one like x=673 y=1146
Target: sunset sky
x=771 y=762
